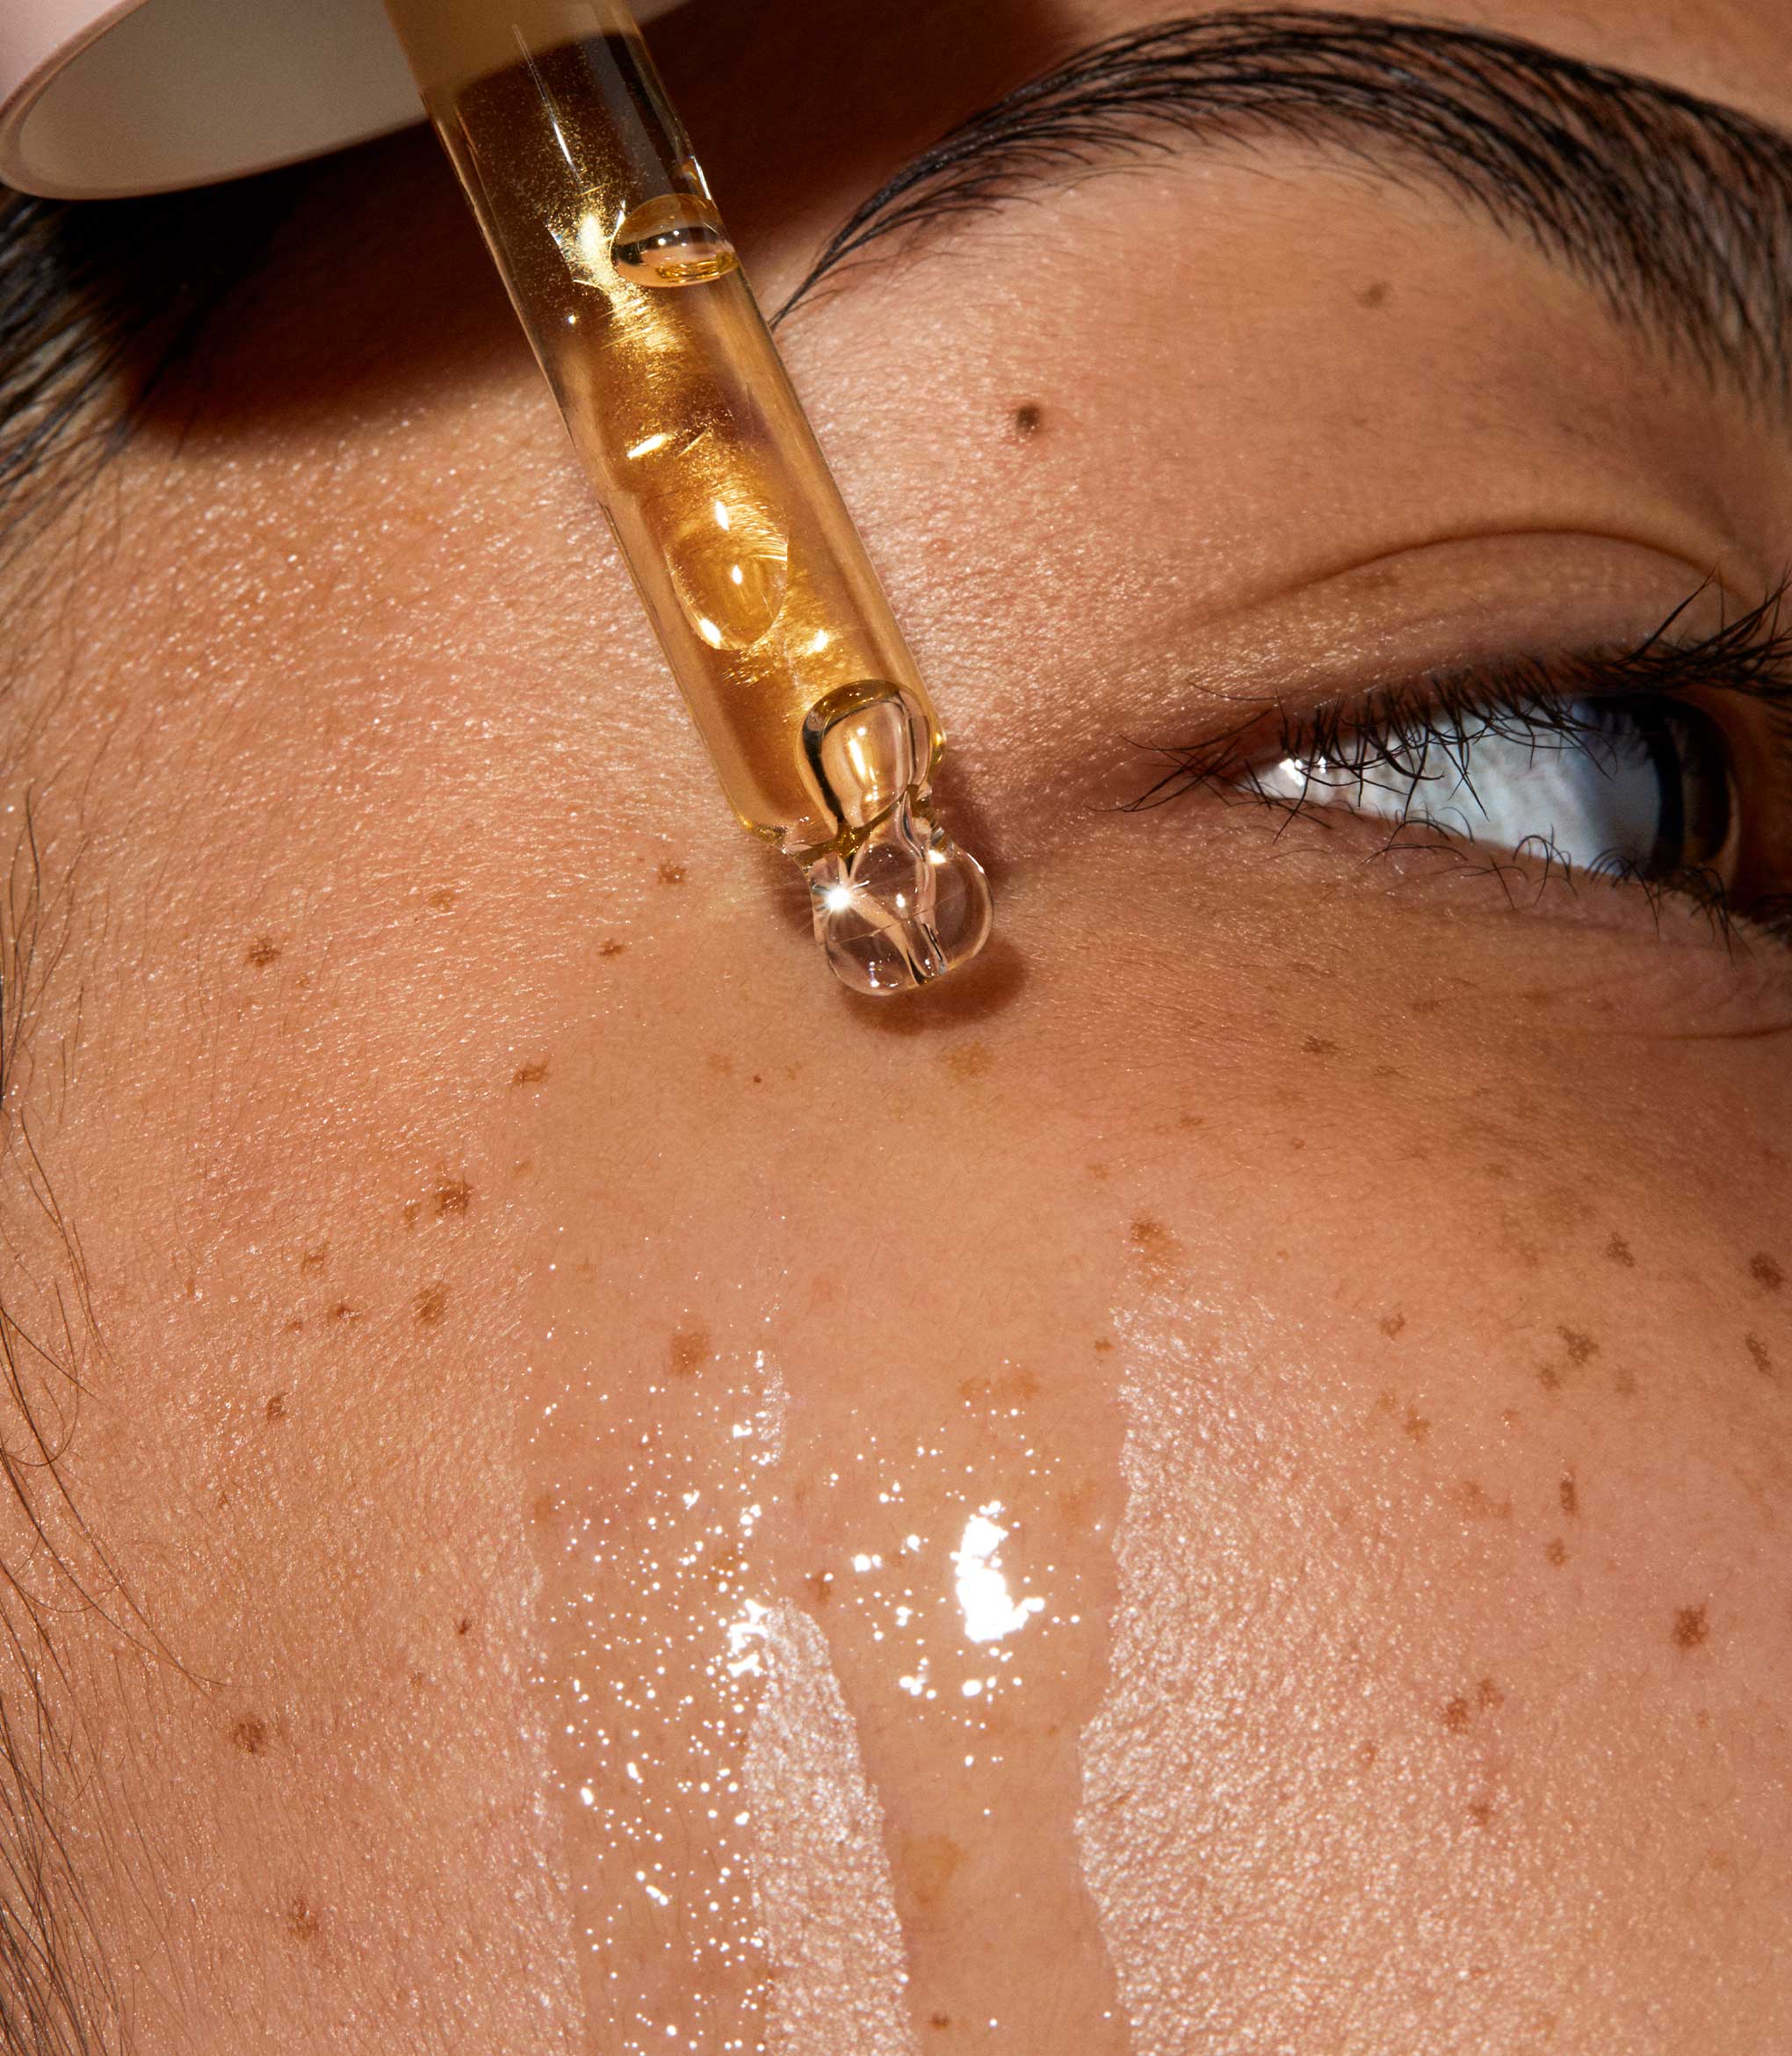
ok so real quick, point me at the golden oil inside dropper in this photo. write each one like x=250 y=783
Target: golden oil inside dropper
x=756 y=580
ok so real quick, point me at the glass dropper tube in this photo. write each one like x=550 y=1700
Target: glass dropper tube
x=752 y=572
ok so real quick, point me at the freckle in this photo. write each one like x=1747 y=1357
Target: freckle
x=1549 y=1377
x=1618 y=1251
x=821 y=1584
x=543 y=1507
x=275 y=1407
x=1103 y=1344
x=1366 y=1754
x=295 y=1326
x=412 y=1209
x=1319 y=1046
x=1766 y=1272
x=419 y=1679
x=1690 y=1627
x=1425 y=1006
x=301 y=1921
x=342 y=1313
x=1480 y=1811
x=928 y=1861
x=671 y=873
x=262 y=951
x=1099 y=1172
x=530 y=1074
x=939 y=2020
x=251 y=1736
x=464 y=1626
x=430 y=1305
x=1569 y=1493
x=1375 y=295
x=970 y=1059
x=1416 y=1425
x=721 y=1063
x=1759 y=1355
x=1474 y=1501
x=688 y=1351
x=443 y=898
x=1557 y=1551
x=314 y=1260
x=1028 y=420
x=612 y=948
x=452 y=1196
x=1392 y=1325
x=1188 y=1121
x=1624 y=1382
x=1701 y=1719
x=1456 y=1716
x=1580 y=1347
x=1150 y=1236
x=1487 y=1693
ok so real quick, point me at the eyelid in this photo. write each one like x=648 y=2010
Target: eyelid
x=1747 y=658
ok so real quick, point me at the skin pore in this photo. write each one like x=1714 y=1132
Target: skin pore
x=462 y=1251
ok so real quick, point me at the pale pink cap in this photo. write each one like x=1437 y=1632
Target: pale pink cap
x=103 y=98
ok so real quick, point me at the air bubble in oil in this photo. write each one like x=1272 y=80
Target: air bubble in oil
x=675 y=240
x=729 y=569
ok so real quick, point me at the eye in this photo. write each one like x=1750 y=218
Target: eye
x=1639 y=787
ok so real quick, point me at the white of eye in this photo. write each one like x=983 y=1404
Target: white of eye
x=1613 y=788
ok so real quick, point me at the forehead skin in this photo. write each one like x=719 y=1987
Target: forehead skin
x=406 y=1042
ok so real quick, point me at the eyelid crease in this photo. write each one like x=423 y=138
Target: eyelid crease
x=1749 y=656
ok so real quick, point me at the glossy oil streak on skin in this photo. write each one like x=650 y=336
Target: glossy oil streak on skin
x=821 y=1881
x=730 y=1887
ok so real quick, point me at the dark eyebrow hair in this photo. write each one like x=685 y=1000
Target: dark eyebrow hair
x=1676 y=211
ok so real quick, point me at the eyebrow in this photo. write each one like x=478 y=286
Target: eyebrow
x=1676 y=211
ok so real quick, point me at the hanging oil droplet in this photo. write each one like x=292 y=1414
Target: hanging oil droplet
x=731 y=569
x=675 y=240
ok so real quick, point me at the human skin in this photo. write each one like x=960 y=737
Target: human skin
x=414 y=1045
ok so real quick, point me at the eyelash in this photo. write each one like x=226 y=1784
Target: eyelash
x=1531 y=699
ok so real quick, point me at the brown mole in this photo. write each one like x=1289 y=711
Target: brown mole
x=1766 y=1272
x=670 y=873
x=688 y=1351
x=1028 y=419
x=1569 y=1493
x=343 y=1315
x=1392 y=1325
x=1690 y=1627
x=611 y=948
x=261 y=952
x=430 y=1305
x=530 y=1074
x=1557 y=1551
x=301 y=1921
x=1375 y=295
x=251 y=1736
x=463 y=1624
x=452 y=1196
x=275 y=1407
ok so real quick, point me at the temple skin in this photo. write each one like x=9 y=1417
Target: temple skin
x=1362 y=1284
